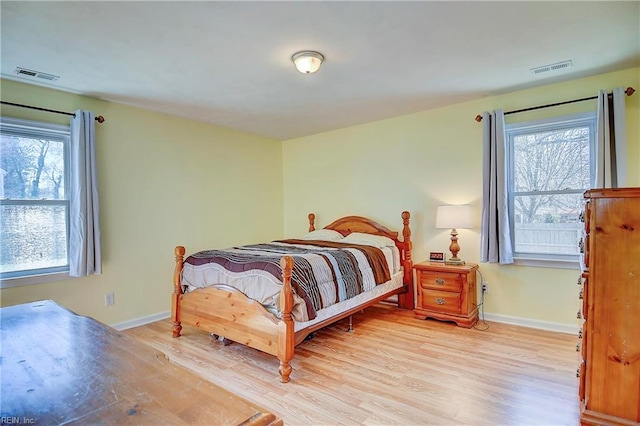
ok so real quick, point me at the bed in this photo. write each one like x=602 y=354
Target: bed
x=224 y=303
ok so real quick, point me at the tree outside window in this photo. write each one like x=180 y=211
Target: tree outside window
x=550 y=167
x=34 y=204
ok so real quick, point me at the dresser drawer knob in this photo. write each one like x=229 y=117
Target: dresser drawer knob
x=578 y=372
x=581 y=294
x=579 y=316
x=581 y=245
x=581 y=217
x=580 y=334
x=440 y=281
x=578 y=347
x=579 y=281
x=440 y=301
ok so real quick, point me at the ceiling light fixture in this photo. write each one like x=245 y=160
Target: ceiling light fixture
x=307 y=61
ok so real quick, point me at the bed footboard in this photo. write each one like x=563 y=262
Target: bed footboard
x=225 y=311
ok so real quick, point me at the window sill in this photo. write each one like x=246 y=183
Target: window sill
x=33 y=279
x=547 y=263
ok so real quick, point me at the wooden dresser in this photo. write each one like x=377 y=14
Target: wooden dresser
x=447 y=292
x=610 y=369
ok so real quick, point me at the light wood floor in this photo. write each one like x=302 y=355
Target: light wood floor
x=395 y=369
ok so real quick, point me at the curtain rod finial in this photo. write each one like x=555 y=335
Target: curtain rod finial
x=100 y=119
x=630 y=91
x=478 y=118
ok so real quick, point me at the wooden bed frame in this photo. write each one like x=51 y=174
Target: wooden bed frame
x=225 y=311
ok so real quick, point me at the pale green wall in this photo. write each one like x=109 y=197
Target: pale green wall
x=163 y=181
x=166 y=181
x=418 y=161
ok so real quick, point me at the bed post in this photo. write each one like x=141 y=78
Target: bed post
x=312 y=218
x=286 y=334
x=177 y=291
x=406 y=300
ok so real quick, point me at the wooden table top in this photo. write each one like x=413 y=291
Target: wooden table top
x=57 y=367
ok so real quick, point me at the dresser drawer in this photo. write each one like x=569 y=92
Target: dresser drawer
x=583 y=344
x=442 y=281
x=585 y=299
x=586 y=217
x=586 y=251
x=581 y=373
x=441 y=301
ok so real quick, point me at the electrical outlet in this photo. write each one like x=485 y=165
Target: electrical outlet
x=109 y=299
x=485 y=288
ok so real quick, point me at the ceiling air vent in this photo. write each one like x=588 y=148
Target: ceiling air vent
x=553 y=67
x=23 y=72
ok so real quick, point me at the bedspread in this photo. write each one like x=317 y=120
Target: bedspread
x=324 y=273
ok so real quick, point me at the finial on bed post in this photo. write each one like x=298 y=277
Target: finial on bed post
x=177 y=291
x=406 y=300
x=312 y=218
x=286 y=336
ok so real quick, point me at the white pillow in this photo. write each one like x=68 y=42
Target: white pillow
x=379 y=241
x=323 y=235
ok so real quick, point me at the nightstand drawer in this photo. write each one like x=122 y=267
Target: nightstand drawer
x=441 y=301
x=441 y=281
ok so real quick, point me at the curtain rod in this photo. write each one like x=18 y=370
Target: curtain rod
x=99 y=119
x=630 y=91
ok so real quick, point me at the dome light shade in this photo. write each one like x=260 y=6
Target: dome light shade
x=307 y=61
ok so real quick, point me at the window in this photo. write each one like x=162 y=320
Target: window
x=34 y=198
x=550 y=165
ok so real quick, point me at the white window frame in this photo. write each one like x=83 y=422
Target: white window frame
x=514 y=129
x=39 y=129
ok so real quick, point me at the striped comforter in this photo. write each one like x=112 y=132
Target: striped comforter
x=324 y=273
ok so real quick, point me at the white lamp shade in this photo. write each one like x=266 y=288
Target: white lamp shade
x=454 y=217
x=307 y=62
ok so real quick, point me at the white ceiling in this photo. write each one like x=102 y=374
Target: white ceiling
x=228 y=63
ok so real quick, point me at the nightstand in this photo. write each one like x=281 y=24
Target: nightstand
x=447 y=292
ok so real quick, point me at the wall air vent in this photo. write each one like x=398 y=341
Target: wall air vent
x=552 y=67
x=23 y=72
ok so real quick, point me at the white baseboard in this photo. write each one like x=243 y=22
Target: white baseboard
x=507 y=319
x=532 y=323
x=136 y=322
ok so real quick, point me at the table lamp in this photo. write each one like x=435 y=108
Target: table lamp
x=454 y=217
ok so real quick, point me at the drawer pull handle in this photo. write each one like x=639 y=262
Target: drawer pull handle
x=440 y=301
x=580 y=334
x=579 y=316
x=578 y=372
x=440 y=281
x=579 y=280
x=581 y=217
x=581 y=245
x=578 y=347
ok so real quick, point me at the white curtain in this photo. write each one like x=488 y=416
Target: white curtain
x=611 y=149
x=495 y=230
x=84 y=225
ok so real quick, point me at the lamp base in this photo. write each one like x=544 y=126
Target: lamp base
x=454 y=261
